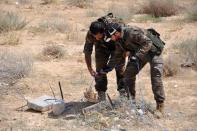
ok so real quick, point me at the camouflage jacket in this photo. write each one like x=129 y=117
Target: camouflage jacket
x=113 y=50
x=135 y=40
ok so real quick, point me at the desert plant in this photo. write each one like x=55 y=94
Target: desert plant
x=188 y=51
x=159 y=8
x=49 y=2
x=171 y=66
x=92 y=13
x=14 y=65
x=54 y=23
x=145 y=18
x=10 y=38
x=53 y=51
x=80 y=3
x=24 y=1
x=125 y=12
x=192 y=13
x=11 y=21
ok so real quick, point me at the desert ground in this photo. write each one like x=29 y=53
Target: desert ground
x=69 y=66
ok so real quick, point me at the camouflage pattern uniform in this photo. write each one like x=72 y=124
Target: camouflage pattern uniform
x=138 y=43
x=104 y=52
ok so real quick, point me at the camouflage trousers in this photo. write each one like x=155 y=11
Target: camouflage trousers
x=156 y=69
x=101 y=81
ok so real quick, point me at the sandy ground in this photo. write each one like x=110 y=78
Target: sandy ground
x=181 y=91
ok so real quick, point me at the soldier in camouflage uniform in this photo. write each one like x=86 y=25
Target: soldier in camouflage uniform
x=103 y=52
x=145 y=46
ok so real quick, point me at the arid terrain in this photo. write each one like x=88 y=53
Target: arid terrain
x=63 y=26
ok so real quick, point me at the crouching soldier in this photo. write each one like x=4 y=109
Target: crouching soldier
x=103 y=52
x=145 y=46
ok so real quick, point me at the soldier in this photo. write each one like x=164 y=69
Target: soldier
x=103 y=52
x=145 y=46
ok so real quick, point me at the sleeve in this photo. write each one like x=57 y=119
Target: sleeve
x=143 y=42
x=116 y=57
x=89 y=42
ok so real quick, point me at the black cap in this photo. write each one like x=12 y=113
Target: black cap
x=111 y=29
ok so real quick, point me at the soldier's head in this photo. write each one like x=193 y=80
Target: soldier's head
x=113 y=32
x=97 y=29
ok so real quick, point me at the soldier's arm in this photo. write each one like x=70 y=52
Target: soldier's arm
x=88 y=48
x=117 y=57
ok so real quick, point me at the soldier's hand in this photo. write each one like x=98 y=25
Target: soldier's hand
x=93 y=73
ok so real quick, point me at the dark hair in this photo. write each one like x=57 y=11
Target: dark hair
x=97 y=27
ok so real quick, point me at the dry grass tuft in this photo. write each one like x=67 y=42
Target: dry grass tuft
x=10 y=38
x=123 y=12
x=53 y=51
x=14 y=65
x=11 y=21
x=159 y=8
x=192 y=12
x=188 y=52
x=54 y=23
x=171 y=66
x=45 y=2
x=80 y=3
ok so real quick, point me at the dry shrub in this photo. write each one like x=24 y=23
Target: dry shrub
x=146 y=18
x=188 y=52
x=171 y=66
x=54 y=23
x=14 y=65
x=11 y=21
x=24 y=1
x=45 y=2
x=159 y=8
x=80 y=3
x=92 y=13
x=192 y=12
x=10 y=38
x=53 y=51
x=123 y=12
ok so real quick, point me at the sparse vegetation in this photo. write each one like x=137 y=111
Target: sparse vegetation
x=159 y=8
x=55 y=24
x=80 y=3
x=188 y=51
x=10 y=38
x=146 y=18
x=11 y=21
x=92 y=13
x=192 y=12
x=45 y=2
x=53 y=51
x=14 y=65
x=125 y=12
x=24 y=1
x=171 y=66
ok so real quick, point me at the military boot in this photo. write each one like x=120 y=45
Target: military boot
x=101 y=96
x=123 y=94
x=159 y=112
